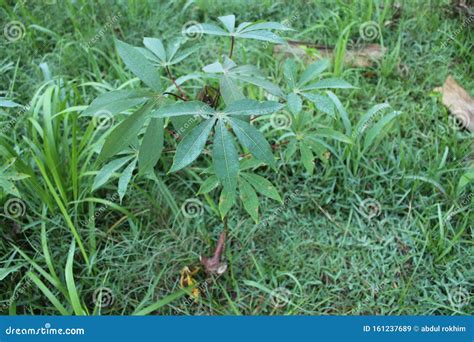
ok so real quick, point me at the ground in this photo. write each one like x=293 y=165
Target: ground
x=318 y=253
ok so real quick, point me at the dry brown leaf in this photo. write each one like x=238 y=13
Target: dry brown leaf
x=361 y=57
x=459 y=103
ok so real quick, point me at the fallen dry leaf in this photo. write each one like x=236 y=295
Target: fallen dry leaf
x=361 y=57
x=459 y=103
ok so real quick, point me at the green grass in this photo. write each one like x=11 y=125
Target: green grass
x=318 y=250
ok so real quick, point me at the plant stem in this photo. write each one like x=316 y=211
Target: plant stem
x=170 y=76
x=175 y=95
x=232 y=41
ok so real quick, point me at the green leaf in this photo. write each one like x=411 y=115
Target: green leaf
x=151 y=146
x=252 y=107
x=8 y=103
x=369 y=117
x=192 y=145
x=124 y=133
x=262 y=35
x=5 y=271
x=289 y=72
x=229 y=22
x=261 y=82
x=125 y=178
x=328 y=83
x=208 y=185
x=226 y=201
x=70 y=283
x=313 y=70
x=229 y=90
x=206 y=29
x=156 y=46
x=225 y=157
x=330 y=133
x=161 y=303
x=269 y=25
x=307 y=158
x=377 y=130
x=47 y=292
x=117 y=101
x=253 y=140
x=342 y=112
x=263 y=186
x=249 y=199
x=108 y=170
x=183 y=108
x=294 y=103
x=139 y=65
x=322 y=103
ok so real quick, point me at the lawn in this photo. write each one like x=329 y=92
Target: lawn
x=377 y=228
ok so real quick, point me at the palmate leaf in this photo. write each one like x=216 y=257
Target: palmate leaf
x=321 y=102
x=125 y=132
x=295 y=104
x=139 y=65
x=249 y=199
x=328 y=83
x=252 y=107
x=117 y=101
x=125 y=178
x=313 y=70
x=226 y=201
x=184 y=108
x=192 y=145
x=225 y=157
x=151 y=145
x=258 y=31
x=307 y=158
x=108 y=170
x=262 y=185
x=244 y=73
x=253 y=140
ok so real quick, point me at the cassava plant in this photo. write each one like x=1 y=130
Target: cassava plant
x=228 y=109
